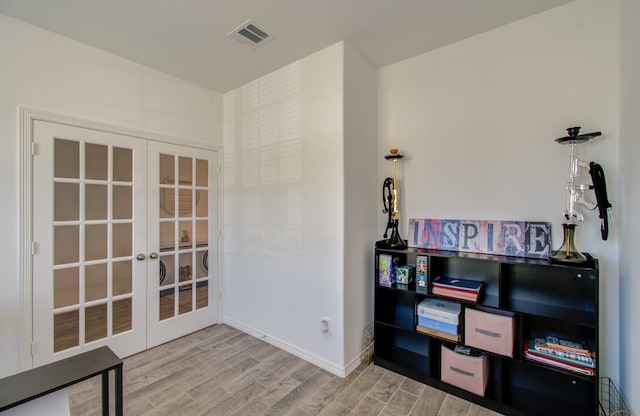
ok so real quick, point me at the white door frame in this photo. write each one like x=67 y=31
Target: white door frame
x=26 y=247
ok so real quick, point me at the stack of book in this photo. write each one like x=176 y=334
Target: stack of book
x=463 y=289
x=439 y=318
x=568 y=355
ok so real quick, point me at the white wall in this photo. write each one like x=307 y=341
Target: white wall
x=478 y=120
x=47 y=72
x=630 y=203
x=361 y=195
x=283 y=208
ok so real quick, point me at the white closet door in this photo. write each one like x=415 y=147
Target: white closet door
x=89 y=223
x=182 y=238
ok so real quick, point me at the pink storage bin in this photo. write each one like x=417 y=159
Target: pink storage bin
x=489 y=331
x=464 y=371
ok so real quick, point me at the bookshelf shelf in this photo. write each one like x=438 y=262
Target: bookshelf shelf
x=546 y=299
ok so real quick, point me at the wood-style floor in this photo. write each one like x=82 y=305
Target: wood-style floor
x=222 y=371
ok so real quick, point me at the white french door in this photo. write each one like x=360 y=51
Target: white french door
x=121 y=230
x=182 y=285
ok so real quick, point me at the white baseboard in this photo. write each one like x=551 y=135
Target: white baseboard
x=355 y=363
x=305 y=355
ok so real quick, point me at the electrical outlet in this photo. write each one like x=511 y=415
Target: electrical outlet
x=325 y=326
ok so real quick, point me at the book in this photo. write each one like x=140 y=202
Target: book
x=421 y=273
x=468 y=292
x=440 y=310
x=433 y=332
x=560 y=364
x=455 y=294
x=451 y=329
x=386 y=270
x=565 y=345
x=460 y=284
x=540 y=345
x=559 y=355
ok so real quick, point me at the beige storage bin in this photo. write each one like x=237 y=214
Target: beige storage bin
x=490 y=331
x=464 y=371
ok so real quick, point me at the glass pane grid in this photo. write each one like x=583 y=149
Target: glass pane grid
x=90 y=319
x=187 y=288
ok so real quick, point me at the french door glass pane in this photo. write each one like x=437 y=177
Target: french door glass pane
x=167 y=169
x=167 y=202
x=167 y=307
x=66 y=244
x=202 y=264
x=66 y=201
x=122 y=277
x=96 y=156
x=186 y=234
x=95 y=202
x=66 y=287
x=122 y=165
x=95 y=246
x=202 y=294
x=95 y=322
x=202 y=172
x=202 y=207
x=122 y=202
x=122 y=317
x=122 y=240
x=185 y=169
x=95 y=282
x=185 y=270
x=185 y=202
x=66 y=330
x=185 y=300
x=167 y=236
x=202 y=232
x=66 y=159
x=167 y=270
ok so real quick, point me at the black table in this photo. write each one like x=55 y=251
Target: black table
x=31 y=384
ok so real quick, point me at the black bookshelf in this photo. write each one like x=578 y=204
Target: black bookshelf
x=546 y=299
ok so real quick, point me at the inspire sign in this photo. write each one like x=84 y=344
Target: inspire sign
x=511 y=238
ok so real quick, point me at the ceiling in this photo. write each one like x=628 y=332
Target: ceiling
x=187 y=38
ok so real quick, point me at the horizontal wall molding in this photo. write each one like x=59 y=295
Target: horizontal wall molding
x=30 y=114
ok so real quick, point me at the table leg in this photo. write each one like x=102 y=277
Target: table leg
x=118 y=390
x=105 y=393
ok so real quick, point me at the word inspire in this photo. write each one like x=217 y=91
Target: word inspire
x=511 y=238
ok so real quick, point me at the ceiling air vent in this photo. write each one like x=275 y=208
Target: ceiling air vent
x=249 y=34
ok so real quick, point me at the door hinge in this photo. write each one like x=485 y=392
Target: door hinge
x=219 y=170
x=34 y=148
x=34 y=248
x=219 y=233
x=34 y=348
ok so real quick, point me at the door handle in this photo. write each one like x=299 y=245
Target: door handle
x=153 y=255
x=140 y=257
